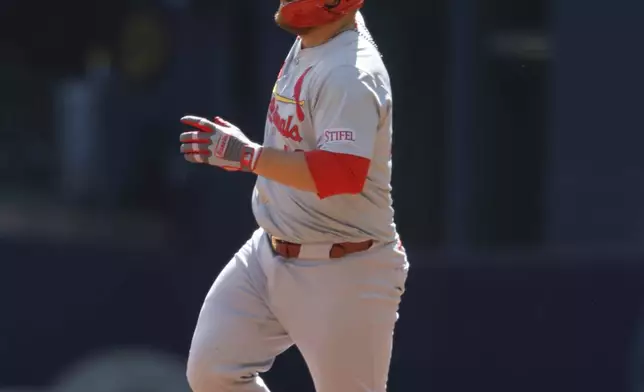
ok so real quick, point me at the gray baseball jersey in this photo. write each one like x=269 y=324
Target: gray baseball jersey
x=333 y=97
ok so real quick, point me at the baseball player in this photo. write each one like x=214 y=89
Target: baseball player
x=325 y=270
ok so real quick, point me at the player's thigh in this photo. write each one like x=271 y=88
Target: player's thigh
x=345 y=324
x=353 y=352
x=236 y=334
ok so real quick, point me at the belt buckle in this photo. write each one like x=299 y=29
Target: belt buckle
x=275 y=242
x=282 y=247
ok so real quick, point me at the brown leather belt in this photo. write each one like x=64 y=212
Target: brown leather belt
x=289 y=250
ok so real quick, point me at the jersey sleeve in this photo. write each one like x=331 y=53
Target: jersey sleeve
x=347 y=113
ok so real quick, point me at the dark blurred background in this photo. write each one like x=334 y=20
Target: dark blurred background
x=518 y=183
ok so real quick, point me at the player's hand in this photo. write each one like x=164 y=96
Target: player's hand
x=218 y=143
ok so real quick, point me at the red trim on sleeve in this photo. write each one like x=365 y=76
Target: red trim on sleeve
x=337 y=174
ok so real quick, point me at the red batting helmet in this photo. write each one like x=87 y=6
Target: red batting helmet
x=310 y=13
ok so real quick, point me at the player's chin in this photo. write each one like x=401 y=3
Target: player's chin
x=288 y=28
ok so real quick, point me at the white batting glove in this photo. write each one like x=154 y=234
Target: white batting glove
x=218 y=143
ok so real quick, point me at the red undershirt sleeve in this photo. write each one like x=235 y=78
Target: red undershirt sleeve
x=337 y=173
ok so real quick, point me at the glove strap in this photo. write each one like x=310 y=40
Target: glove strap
x=249 y=155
